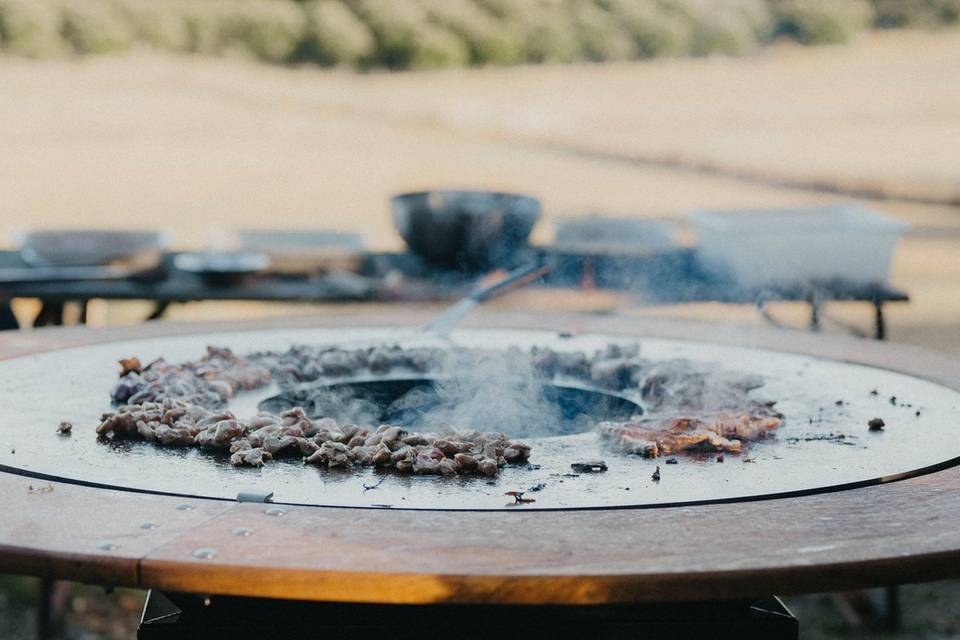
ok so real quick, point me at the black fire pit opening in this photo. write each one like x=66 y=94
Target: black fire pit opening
x=405 y=401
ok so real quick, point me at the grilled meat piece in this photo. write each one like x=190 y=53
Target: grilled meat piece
x=220 y=434
x=516 y=452
x=723 y=431
x=250 y=457
x=208 y=382
x=128 y=365
x=486 y=466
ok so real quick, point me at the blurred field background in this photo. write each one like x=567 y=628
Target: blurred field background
x=429 y=34
x=195 y=117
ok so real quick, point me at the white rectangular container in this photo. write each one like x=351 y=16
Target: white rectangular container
x=761 y=247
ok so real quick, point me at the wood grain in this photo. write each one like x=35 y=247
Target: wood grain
x=898 y=532
x=65 y=530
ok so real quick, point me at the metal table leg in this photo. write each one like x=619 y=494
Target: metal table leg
x=892 y=610
x=814 y=313
x=45 y=609
x=880 y=325
x=51 y=314
x=158 y=310
x=7 y=319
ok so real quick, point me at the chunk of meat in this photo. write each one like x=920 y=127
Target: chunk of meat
x=250 y=457
x=722 y=431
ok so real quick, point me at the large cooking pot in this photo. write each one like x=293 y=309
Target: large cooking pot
x=465 y=229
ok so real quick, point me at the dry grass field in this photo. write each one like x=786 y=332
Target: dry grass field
x=194 y=145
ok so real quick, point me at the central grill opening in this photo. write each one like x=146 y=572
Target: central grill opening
x=424 y=403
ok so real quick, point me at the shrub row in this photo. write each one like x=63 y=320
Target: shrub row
x=423 y=34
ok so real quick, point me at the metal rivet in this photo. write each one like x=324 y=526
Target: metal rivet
x=275 y=511
x=185 y=507
x=204 y=554
x=148 y=525
x=243 y=532
x=107 y=546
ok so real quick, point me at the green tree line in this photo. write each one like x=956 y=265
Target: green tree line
x=430 y=34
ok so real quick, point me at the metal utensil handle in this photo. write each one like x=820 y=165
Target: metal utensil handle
x=446 y=321
x=513 y=280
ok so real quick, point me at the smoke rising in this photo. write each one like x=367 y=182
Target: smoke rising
x=492 y=391
x=471 y=389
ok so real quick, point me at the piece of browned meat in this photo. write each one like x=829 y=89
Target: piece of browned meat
x=722 y=431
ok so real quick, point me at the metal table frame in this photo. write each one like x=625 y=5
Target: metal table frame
x=673 y=277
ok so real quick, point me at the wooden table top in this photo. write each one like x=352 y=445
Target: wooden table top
x=897 y=532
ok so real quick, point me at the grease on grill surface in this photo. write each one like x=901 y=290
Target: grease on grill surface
x=168 y=404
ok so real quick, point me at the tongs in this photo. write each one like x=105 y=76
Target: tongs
x=443 y=324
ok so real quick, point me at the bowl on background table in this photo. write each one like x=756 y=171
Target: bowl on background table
x=466 y=230
x=135 y=250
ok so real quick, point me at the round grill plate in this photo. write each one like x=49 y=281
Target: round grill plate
x=805 y=457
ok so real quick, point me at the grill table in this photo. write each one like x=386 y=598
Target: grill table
x=672 y=277
x=624 y=566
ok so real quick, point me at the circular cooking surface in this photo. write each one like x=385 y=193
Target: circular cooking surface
x=821 y=400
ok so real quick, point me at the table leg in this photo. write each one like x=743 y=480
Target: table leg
x=45 y=609
x=880 y=324
x=814 y=314
x=158 y=310
x=51 y=313
x=7 y=319
x=892 y=610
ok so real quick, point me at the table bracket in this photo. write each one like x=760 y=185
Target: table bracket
x=255 y=496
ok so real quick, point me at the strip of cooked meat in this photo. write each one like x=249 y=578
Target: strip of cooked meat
x=721 y=431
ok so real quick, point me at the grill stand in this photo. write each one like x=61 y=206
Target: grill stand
x=184 y=616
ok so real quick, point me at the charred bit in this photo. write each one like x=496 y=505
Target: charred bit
x=518 y=496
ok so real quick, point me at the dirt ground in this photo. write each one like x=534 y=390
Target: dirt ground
x=199 y=145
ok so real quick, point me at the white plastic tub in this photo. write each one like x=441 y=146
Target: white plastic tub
x=758 y=247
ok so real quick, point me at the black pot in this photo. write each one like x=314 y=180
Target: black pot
x=468 y=230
